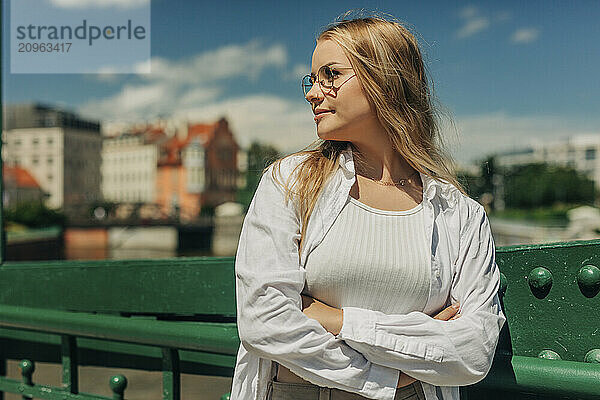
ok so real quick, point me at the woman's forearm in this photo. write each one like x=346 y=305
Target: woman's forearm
x=331 y=319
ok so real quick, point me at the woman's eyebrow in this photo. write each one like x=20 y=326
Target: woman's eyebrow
x=328 y=64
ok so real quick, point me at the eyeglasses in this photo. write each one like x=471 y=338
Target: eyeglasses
x=325 y=77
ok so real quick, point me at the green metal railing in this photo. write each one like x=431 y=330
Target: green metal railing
x=117 y=313
x=171 y=338
x=178 y=315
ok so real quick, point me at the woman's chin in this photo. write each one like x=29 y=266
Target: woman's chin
x=326 y=134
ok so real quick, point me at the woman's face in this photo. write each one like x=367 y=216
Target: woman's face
x=349 y=116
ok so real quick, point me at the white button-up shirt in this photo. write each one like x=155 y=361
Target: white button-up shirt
x=372 y=348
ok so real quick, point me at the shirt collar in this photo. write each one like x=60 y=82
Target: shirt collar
x=431 y=186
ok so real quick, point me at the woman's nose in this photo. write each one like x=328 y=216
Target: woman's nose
x=314 y=94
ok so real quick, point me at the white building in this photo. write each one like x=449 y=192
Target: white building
x=61 y=151
x=579 y=152
x=129 y=169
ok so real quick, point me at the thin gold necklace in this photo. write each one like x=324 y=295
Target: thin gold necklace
x=401 y=182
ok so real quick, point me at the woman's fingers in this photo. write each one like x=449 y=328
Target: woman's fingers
x=448 y=312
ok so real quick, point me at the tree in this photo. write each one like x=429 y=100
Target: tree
x=538 y=185
x=34 y=215
x=259 y=156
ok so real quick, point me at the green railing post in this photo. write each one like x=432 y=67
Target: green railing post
x=27 y=368
x=70 y=376
x=171 y=375
x=118 y=384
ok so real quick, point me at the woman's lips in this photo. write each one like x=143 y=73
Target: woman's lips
x=322 y=114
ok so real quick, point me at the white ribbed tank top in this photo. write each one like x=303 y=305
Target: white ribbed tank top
x=371 y=258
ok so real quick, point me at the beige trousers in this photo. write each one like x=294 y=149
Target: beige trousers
x=308 y=391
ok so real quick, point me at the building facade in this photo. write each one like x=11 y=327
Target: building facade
x=129 y=168
x=197 y=168
x=60 y=150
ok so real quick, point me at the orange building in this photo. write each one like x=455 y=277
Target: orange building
x=20 y=187
x=197 y=169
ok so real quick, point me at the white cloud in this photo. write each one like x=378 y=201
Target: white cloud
x=473 y=22
x=200 y=95
x=191 y=82
x=247 y=60
x=296 y=72
x=473 y=26
x=484 y=134
x=237 y=60
x=132 y=103
x=83 y=4
x=525 y=35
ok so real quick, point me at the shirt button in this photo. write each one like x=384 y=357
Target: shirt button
x=437 y=273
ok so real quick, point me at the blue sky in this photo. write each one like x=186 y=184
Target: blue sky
x=508 y=72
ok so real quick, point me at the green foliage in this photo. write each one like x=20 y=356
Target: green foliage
x=259 y=156
x=529 y=186
x=555 y=214
x=536 y=185
x=34 y=215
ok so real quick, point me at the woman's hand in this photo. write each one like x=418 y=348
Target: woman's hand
x=447 y=314
x=332 y=318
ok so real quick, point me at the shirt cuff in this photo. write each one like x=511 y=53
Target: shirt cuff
x=358 y=325
x=381 y=382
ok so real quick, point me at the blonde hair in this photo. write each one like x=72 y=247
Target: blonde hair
x=387 y=61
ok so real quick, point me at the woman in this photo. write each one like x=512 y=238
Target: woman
x=348 y=250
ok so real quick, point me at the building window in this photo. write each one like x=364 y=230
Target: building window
x=17 y=142
x=35 y=141
x=35 y=160
x=590 y=154
x=50 y=160
x=50 y=177
x=50 y=141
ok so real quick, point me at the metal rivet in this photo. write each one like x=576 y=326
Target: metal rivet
x=540 y=282
x=592 y=356
x=588 y=279
x=549 y=355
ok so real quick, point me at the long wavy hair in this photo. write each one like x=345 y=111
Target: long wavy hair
x=388 y=64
